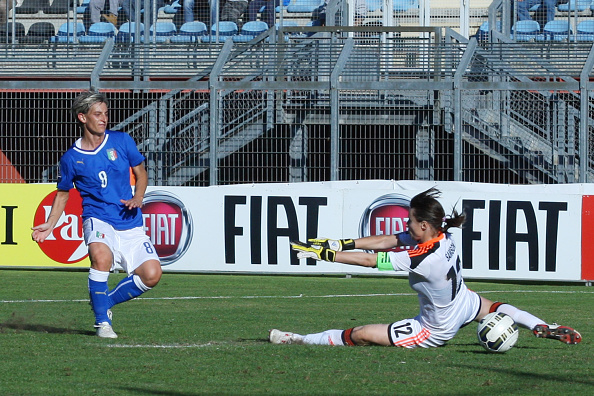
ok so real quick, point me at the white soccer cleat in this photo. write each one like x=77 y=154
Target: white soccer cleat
x=284 y=337
x=104 y=330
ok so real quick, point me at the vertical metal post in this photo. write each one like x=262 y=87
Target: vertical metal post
x=584 y=151
x=214 y=111
x=335 y=109
x=457 y=107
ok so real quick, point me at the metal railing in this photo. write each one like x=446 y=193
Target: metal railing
x=315 y=104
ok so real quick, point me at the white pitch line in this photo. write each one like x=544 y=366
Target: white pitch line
x=173 y=346
x=303 y=296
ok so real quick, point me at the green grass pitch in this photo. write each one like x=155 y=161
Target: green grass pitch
x=206 y=334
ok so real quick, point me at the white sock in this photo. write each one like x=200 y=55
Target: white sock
x=328 y=337
x=98 y=276
x=523 y=318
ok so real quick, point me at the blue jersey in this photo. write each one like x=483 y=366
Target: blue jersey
x=102 y=176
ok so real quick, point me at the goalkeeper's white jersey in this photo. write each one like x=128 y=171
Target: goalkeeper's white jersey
x=434 y=269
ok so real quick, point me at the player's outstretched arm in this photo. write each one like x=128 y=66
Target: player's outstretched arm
x=316 y=252
x=374 y=242
x=41 y=231
x=378 y=242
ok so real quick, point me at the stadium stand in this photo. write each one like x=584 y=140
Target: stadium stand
x=557 y=30
x=98 y=32
x=189 y=32
x=6 y=32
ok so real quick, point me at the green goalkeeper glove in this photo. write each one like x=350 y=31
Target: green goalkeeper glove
x=335 y=244
x=305 y=250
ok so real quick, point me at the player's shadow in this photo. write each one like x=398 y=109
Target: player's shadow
x=532 y=375
x=40 y=328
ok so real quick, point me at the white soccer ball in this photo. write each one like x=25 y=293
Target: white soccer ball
x=497 y=332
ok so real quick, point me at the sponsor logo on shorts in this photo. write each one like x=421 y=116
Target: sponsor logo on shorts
x=168 y=223
x=386 y=215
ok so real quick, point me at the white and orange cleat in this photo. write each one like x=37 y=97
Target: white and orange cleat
x=284 y=337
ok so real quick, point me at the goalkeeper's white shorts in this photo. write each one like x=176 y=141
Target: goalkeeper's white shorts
x=412 y=333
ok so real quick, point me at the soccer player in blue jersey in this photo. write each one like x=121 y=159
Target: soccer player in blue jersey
x=446 y=304
x=98 y=166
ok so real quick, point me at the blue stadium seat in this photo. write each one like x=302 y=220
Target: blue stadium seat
x=557 y=30
x=404 y=5
x=304 y=6
x=482 y=34
x=98 y=33
x=127 y=31
x=574 y=5
x=585 y=30
x=525 y=30
x=67 y=31
x=172 y=8
x=189 y=32
x=374 y=5
x=162 y=31
x=250 y=30
x=227 y=29
x=82 y=8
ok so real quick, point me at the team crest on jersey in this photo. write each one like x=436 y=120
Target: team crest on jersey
x=112 y=154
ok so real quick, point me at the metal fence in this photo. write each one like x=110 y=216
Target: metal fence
x=312 y=104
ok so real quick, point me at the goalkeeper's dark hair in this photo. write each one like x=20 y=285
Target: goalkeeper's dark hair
x=427 y=208
x=83 y=102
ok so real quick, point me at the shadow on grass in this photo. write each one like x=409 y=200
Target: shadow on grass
x=532 y=375
x=20 y=324
x=149 y=391
x=475 y=347
x=262 y=340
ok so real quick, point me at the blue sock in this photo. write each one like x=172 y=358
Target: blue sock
x=128 y=288
x=98 y=295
